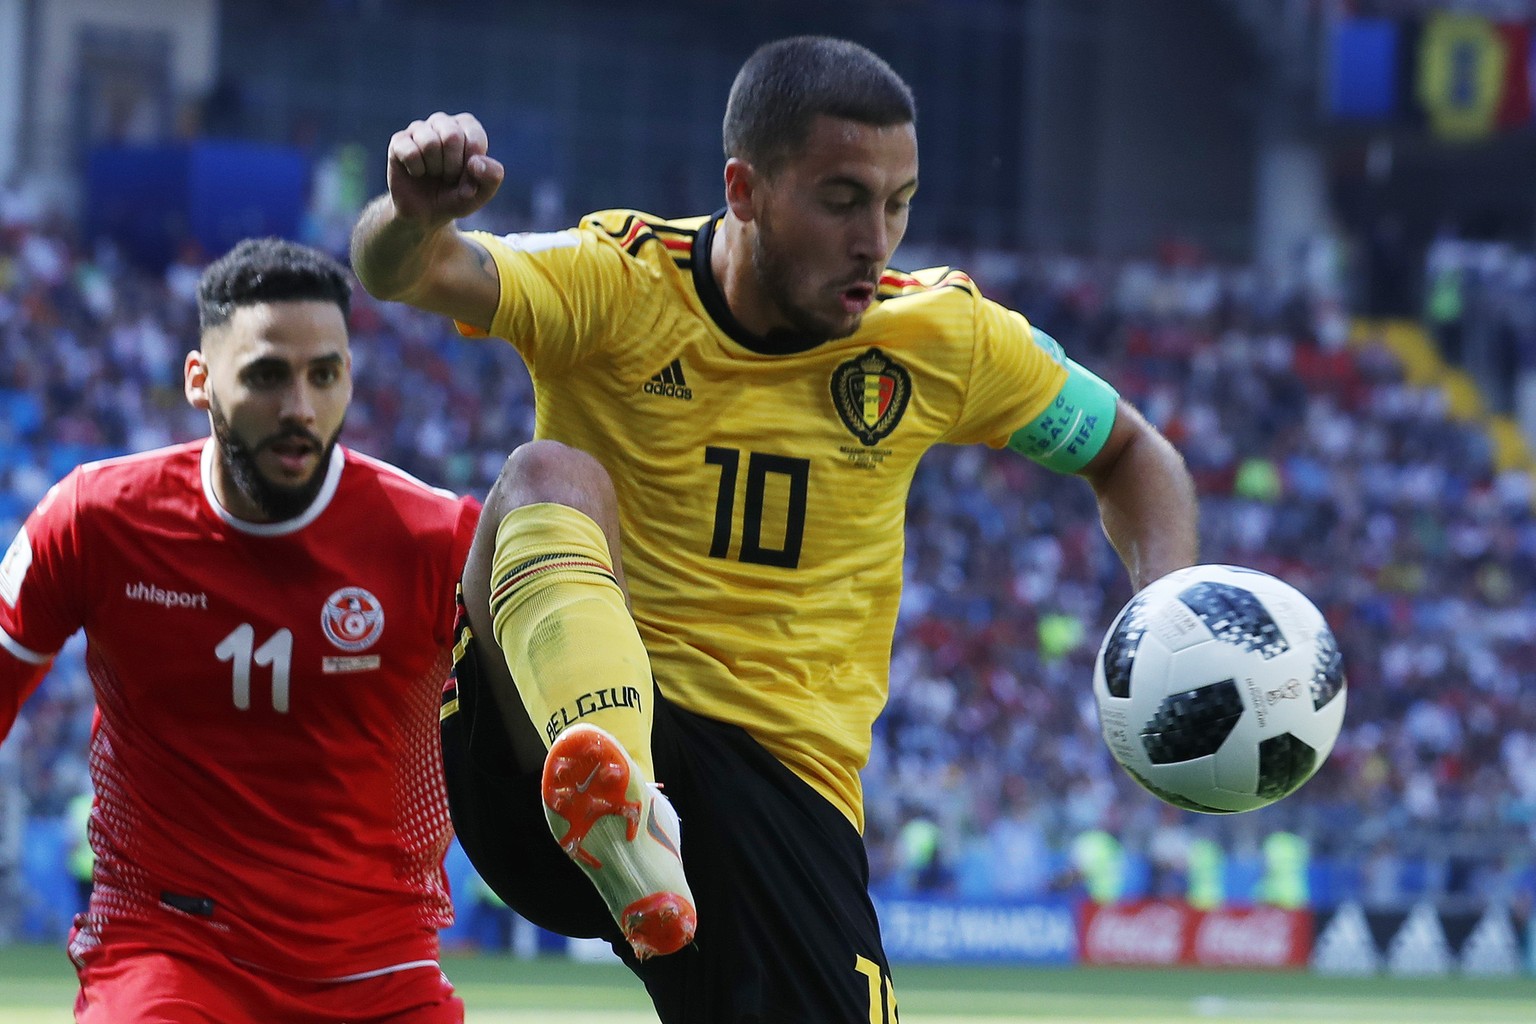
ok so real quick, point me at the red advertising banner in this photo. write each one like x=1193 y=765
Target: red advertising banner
x=1144 y=933
x=1251 y=937
x=1157 y=933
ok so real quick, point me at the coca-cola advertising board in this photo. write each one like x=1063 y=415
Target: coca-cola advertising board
x=1251 y=937
x=1162 y=933
x=1144 y=933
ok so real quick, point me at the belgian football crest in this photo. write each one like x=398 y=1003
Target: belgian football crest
x=352 y=619
x=870 y=393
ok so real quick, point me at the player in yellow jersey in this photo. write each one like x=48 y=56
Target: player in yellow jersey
x=730 y=409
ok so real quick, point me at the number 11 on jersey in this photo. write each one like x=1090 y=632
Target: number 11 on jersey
x=277 y=653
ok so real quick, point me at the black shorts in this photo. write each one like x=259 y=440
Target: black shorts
x=787 y=933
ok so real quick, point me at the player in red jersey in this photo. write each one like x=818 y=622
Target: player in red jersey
x=269 y=622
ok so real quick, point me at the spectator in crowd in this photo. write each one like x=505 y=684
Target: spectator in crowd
x=1099 y=860
x=1205 y=873
x=1286 y=861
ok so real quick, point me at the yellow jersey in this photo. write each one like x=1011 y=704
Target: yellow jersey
x=762 y=484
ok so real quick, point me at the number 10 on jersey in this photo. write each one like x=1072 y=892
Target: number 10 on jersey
x=796 y=474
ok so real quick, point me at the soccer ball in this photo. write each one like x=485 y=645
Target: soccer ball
x=1220 y=688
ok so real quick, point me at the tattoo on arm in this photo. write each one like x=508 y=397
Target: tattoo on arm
x=486 y=262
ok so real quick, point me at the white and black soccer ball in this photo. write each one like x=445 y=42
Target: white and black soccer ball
x=1220 y=688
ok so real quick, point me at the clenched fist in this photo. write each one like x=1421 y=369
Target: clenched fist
x=439 y=170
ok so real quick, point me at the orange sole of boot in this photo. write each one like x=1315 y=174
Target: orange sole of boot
x=586 y=777
x=659 y=924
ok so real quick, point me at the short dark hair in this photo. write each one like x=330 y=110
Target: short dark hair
x=786 y=84
x=269 y=270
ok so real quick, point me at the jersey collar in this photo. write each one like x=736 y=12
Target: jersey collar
x=287 y=526
x=776 y=343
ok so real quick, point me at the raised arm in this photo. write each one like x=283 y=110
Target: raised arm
x=405 y=246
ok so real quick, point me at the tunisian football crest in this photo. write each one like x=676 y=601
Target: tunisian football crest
x=870 y=393
x=352 y=619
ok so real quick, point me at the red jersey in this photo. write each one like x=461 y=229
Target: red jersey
x=266 y=757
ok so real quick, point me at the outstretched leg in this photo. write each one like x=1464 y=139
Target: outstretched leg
x=546 y=556
x=545 y=583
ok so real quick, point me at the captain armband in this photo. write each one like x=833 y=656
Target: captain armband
x=1071 y=430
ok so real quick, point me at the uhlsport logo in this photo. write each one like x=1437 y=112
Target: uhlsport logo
x=142 y=591
x=670 y=383
x=352 y=619
x=870 y=394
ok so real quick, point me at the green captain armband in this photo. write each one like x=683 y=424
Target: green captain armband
x=1072 y=429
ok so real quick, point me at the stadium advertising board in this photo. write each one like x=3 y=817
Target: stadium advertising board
x=978 y=932
x=1251 y=937
x=1423 y=941
x=1160 y=933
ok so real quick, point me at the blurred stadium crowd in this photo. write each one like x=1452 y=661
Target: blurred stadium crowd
x=1315 y=459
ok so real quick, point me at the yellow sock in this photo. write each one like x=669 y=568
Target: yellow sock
x=563 y=626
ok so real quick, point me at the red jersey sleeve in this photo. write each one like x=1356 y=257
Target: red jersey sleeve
x=463 y=537
x=41 y=595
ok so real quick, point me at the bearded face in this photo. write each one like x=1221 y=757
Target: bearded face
x=824 y=225
x=283 y=497
x=276 y=381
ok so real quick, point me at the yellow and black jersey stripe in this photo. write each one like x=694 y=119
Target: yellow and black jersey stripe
x=635 y=231
x=895 y=284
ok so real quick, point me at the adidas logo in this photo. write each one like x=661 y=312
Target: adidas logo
x=1420 y=947
x=670 y=382
x=1493 y=948
x=1346 y=946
